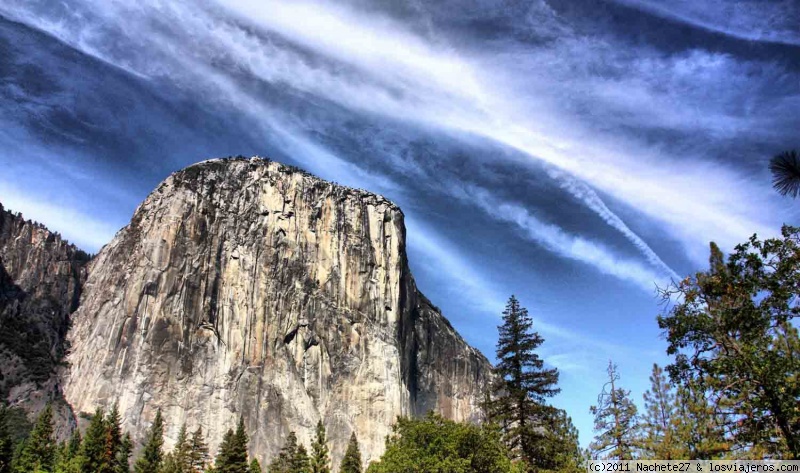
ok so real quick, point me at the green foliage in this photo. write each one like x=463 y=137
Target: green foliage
x=153 y=452
x=198 y=452
x=91 y=457
x=182 y=452
x=522 y=385
x=559 y=448
x=255 y=466
x=123 y=455
x=301 y=463
x=169 y=464
x=38 y=453
x=732 y=333
x=351 y=462
x=615 y=421
x=223 y=460
x=659 y=440
x=698 y=427
x=320 y=460
x=283 y=462
x=232 y=457
x=67 y=458
x=19 y=427
x=6 y=441
x=118 y=447
x=436 y=445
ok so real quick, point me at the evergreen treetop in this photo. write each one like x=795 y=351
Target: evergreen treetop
x=320 y=461
x=351 y=462
x=39 y=450
x=615 y=420
x=522 y=384
x=198 y=452
x=659 y=441
x=153 y=453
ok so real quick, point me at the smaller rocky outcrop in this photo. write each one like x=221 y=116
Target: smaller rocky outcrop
x=41 y=276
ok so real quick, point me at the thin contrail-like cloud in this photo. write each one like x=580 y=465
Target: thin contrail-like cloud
x=751 y=20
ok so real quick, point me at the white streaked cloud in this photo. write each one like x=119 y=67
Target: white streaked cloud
x=370 y=64
x=570 y=246
x=753 y=20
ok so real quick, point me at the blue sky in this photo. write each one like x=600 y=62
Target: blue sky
x=574 y=153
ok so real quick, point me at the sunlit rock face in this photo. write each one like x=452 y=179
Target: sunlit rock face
x=243 y=287
x=40 y=284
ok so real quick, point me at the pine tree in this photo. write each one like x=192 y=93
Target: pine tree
x=522 y=385
x=698 y=428
x=560 y=448
x=232 y=457
x=239 y=452
x=182 y=452
x=300 y=462
x=6 y=442
x=658 y=425
x=153 y=452
x=68 y=455
x=169 y=464
x=222 y=461
x=351 y=462
x=123 y=463
x=198 y=452
x=39 y=452
x=320 y=462
x=91 y=454
x=113 y=442
x=615 y=418
x=293 y=457
x=255 y=466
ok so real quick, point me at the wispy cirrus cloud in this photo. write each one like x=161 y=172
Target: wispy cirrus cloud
x=753 y=20
x=377 y=66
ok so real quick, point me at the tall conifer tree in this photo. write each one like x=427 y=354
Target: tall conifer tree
x=232 y=457
x=658 y=425
x=320 y=461
x=615 y=420
x=113 y=442
x=224 y=458
x=39 y=451
x=123 y=463
x=522 y=386
x=351 y=462
x=153 y=453
x=181 y=453
x=198 y=452
x=90 y=457
x=287 y=458
x=301 y=463
x=698 y=426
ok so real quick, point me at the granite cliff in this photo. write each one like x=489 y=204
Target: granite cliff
x=40 y=284
x=243 y=287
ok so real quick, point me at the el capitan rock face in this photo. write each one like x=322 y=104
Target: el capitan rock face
x=247 y=288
